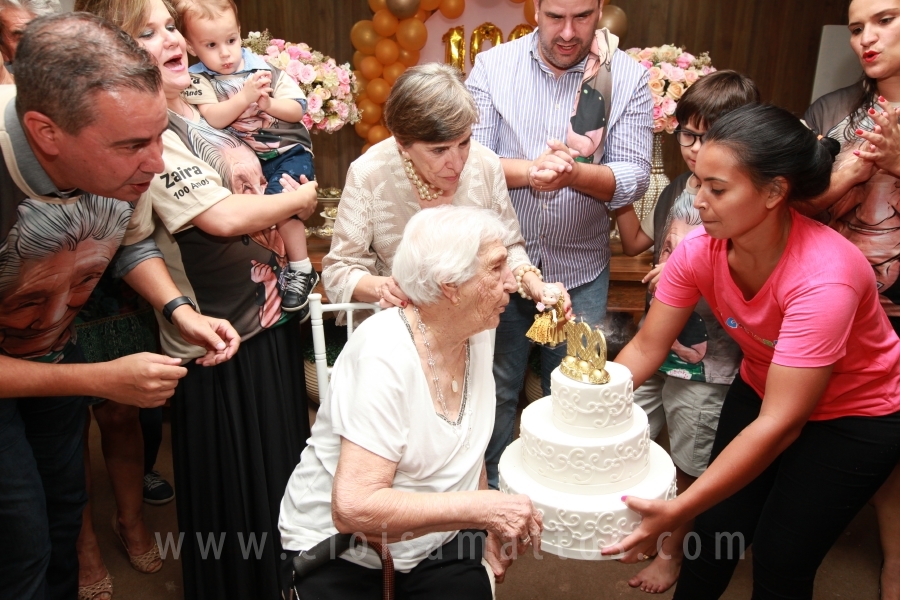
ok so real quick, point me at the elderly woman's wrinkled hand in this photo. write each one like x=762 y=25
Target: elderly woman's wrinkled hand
x=883 y=144
x=390 y=294
x=496 y=557
x=515 y=522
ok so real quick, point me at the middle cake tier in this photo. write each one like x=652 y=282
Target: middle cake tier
x=583 y=465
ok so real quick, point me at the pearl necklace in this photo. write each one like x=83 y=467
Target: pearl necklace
x=434 y=375
x=427 y=192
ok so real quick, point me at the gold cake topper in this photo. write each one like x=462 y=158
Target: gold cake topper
x=586 y=357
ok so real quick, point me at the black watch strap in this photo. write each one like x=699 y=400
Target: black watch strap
x=171 y=305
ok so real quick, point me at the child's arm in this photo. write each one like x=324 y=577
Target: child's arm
x=634 y=240
x=222 y=114
x=286 y=109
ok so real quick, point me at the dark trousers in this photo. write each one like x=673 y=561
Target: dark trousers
x=451 y=572
x=151 y=428
x=295 y=162
x=795 y=510
x=42 y=495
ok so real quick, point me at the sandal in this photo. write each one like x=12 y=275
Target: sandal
x=90 y=592
x=147 y=563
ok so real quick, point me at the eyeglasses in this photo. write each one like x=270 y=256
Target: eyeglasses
x=688 y=138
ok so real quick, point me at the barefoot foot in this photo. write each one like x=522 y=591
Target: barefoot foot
x=658 y=576
x=890 y=581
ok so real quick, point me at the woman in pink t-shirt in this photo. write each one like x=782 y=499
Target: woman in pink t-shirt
x=811 y=427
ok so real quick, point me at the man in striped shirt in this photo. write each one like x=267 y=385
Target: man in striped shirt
x=525 y=91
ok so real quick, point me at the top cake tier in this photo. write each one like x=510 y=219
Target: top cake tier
x=589 y=410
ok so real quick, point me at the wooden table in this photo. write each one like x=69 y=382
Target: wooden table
x=626 y=292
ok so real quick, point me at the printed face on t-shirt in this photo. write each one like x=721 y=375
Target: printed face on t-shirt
x=48 y=294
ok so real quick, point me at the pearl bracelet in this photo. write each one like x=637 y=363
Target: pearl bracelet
x=520 y=274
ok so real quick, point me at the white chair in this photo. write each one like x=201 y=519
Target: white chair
x=316 y=310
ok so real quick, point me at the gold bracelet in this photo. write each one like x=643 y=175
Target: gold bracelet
x=520 y=274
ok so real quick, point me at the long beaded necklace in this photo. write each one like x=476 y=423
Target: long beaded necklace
x=437 y=386
x=427 y=192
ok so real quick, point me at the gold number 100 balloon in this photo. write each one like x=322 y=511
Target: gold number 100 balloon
x=455 y=40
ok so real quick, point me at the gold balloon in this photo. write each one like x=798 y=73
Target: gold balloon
x=387 y=51
x=528 y=9
x=519 y=31
x=361 y=81
x=371 y=68
x=429 y=4
x=412 y=34
x=366 y=147
x=614 y=19
x=357 y=59
x=378 y=133
x=453 y=9
x=362 y=129
x=363 y=37
x=423 y=15
x=408 y=58
x=371 y=112
x=392 y=72
x=384 y=23
x=378 y=90
x=377 y=5
x=455 y=56
x=485 y=31
x=403 y=9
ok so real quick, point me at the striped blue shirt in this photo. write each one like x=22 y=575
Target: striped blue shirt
x=522 y=105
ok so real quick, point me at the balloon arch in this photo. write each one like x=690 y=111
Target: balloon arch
x=391 y=41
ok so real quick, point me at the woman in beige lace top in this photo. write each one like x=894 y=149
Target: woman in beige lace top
x=431 y=160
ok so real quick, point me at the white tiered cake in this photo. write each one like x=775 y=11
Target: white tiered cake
x=579 y=452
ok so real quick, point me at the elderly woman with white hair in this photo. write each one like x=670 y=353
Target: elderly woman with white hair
x=397 y=450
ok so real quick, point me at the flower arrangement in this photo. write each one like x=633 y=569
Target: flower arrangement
x=330 y=88
x=672 y=71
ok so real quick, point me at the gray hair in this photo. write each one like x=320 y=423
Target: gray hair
x=43 y=229
x=683 y=210
x=441 y=245
x=207 y=143
x=429 y=103
x=65 y=60
x=38 y=8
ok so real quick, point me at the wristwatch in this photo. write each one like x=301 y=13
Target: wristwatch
x=171 y=305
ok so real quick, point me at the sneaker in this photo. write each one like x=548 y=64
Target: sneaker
x=297 y=287
x=157 y=490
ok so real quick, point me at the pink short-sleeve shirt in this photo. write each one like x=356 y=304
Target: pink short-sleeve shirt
x=819 y=307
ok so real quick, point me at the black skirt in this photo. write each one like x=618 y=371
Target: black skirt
x=237 y=433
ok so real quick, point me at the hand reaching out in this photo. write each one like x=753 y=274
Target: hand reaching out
x=652 y=278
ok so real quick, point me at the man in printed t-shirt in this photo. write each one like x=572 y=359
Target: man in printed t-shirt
x=78 y=152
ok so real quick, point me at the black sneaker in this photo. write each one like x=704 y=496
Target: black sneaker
x=297 y=287
x=157 y=490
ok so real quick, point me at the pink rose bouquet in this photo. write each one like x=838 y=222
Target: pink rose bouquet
x=331 y=89
x=672 y=72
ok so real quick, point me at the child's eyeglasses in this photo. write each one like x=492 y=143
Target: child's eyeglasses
x=687 y=138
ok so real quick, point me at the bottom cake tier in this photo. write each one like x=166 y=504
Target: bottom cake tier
x=578 y=526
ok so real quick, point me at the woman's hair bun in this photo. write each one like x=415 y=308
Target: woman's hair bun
x=831 y=144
